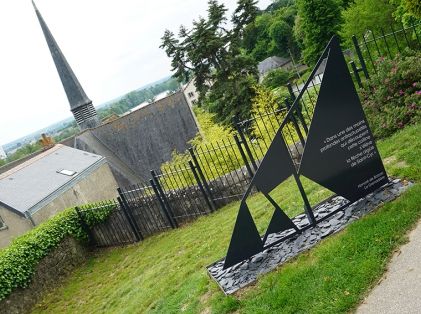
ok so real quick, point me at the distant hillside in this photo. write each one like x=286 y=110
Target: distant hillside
x=121 y=103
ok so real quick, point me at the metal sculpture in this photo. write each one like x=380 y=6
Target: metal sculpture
x=339 y=154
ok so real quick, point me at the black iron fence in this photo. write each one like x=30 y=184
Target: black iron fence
x=372 y=46
x=215 y=174
x=212 y=176
x=115 y=230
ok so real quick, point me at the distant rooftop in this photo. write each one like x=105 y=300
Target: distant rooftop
x=271 y=63
x=35 y=182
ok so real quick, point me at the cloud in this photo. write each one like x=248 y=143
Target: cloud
x=112 y=46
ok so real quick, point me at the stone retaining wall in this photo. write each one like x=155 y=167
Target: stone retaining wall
x=50 y=271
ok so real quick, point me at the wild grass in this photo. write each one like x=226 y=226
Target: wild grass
x=166 y=273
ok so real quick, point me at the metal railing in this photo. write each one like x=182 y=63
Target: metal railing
x=372 y=47
x=214 y=174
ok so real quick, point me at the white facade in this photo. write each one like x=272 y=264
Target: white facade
x=2 y=153
x=191 y=93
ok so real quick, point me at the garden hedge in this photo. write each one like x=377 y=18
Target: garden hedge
x=18 y=261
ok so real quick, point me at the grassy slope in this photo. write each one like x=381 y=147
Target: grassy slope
x=166 y=274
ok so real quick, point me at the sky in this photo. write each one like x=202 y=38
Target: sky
x=112 y=46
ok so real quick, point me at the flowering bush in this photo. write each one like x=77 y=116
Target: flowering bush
x=392 y=97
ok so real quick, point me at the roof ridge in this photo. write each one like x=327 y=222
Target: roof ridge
x=120 y=163
x=31 y=161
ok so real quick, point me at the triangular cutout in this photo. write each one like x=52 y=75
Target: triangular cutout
x=340 y=153
x=279 y=222
x=245 y=241
x=276 y=166
x=315 y=192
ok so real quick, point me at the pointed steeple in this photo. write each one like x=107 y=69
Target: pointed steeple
x=80 y=105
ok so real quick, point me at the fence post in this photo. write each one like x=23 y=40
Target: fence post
x=201 y=175
x=129 y=212
x=299 y=113
x=246 y=146
x=243 y=155
x=360 y=56
x=356 y=74
x=161 y=202
x=124 y=207
x=164 y=199
x=199 y=183
x=85 y=227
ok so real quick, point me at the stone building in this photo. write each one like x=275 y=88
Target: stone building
x=56 y=179
x=272 y=63
x=142 y=140
x=134 y=143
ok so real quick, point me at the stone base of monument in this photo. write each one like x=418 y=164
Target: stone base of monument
x=240 y=275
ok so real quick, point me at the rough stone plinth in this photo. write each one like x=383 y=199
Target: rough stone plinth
x=246 y=272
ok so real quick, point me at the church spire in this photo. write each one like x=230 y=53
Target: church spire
x=80 y=105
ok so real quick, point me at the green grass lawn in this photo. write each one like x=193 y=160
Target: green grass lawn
x=166 y=273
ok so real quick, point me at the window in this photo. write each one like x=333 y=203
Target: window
x=2 y=224
x=66 y=172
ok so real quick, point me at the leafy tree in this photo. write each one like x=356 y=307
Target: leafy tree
x=319 y=21
x=281 y=34
x=408 y=12
x=137 y=97
x=66 y=133
x=272 y=34
x=24 y=151
x=346 y=3
x=298 y=33
x=277 y=4
x=365 y=15
x=257 y=40
x=212 y=54
x=231 y=98
x=414 y=7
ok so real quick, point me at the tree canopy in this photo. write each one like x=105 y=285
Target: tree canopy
x=319 y=21
x=271 y=33
x=212 y=53
x=365 y=15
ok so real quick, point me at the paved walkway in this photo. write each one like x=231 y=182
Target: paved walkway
x=400 y=289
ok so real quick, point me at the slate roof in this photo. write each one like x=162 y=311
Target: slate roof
x=74 y=91
x=36 y=182
x=271 y=63
x=123 y=174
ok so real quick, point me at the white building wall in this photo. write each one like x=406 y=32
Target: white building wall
x=2 y=153
x=191 y=93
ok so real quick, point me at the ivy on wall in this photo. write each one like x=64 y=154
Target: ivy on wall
x=18 y=261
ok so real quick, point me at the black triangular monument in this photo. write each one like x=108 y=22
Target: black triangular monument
x=279 y=221
x=245 y=241
x=275 y=168
x=340 y=153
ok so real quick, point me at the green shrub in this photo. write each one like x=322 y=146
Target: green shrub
x=391 y=98
x=18 y=261
x=277 y=78
x=260 y=132
x=212 y=135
